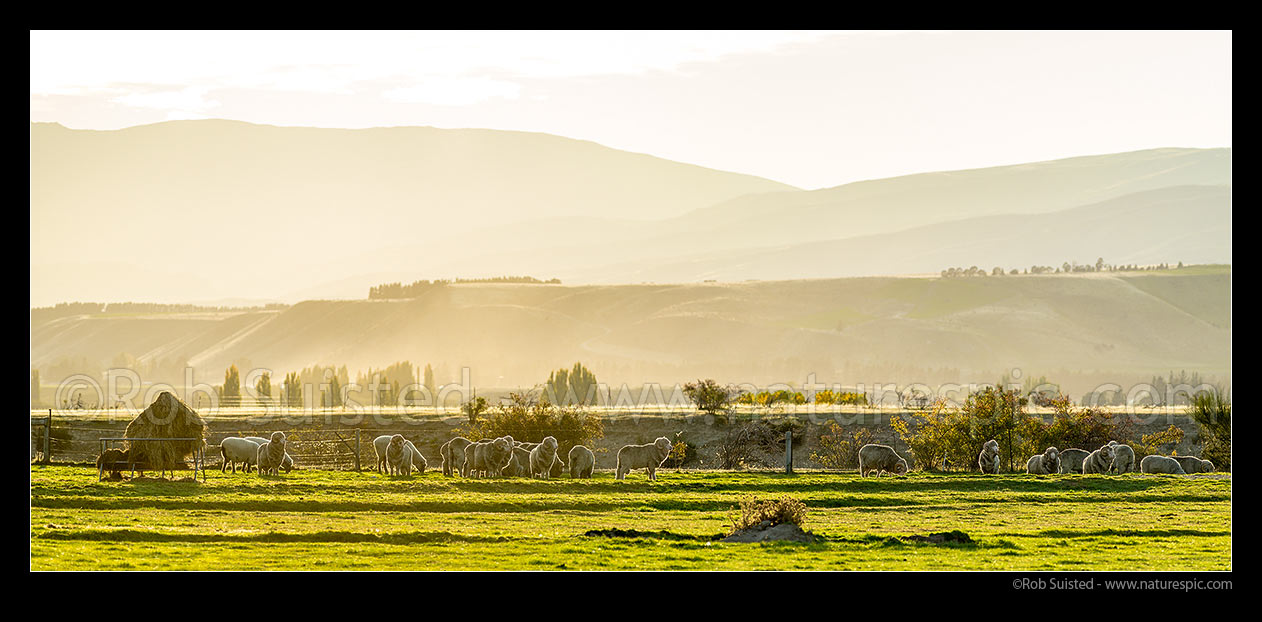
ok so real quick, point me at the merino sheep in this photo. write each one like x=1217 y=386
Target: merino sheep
x=1123 y=458
x=648 y=456
x=398 y=456
x=1099 y=460
x=452 y=453
x=1161 y=464
x=113 y=461
x=582 y=462
x=382 y=443
x=242 y=450
x=287 y=464
x=1192 y=464
x=543 y=457
x=271 y=454
x=488 y=457
x=519 y=464
x=1071 y=460
x=1046 y=463
x=880 y=458
x=988 y=460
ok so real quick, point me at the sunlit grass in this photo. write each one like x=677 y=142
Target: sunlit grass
x=345 y=520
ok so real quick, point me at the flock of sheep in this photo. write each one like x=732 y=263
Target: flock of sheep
x=505 y=456
x=495 y=457
x=1113 y=457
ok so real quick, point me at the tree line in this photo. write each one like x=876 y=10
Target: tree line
x=419 y=288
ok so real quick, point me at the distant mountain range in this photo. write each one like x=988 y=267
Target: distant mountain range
x=204 y=210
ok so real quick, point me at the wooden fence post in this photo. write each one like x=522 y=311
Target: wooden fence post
x=48 y=438
x=788 y=452
x=357 y=467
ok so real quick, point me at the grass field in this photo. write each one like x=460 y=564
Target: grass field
x=342 y=520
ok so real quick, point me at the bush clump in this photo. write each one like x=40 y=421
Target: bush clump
x=753 y=512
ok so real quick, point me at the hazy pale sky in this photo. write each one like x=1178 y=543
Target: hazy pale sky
x=812 y=109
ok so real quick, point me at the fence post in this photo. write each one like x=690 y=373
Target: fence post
x=357 y=450
x=48 y=438
x=788 y=451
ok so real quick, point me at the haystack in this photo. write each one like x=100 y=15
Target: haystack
x=166 y=417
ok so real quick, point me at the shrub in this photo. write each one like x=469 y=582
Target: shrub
x=708 y=396
x=1159 y=443
x=842 y=397
x=1212 y=412
x=776 y=511
x=747 y=446
x=835 y=449
x=682 y=452
x=474 y=408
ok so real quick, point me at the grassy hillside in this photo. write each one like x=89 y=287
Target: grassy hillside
x=885 y=329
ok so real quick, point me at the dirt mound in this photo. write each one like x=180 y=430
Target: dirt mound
x=766 y=532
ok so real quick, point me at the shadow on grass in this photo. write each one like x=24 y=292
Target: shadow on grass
x=136 y=535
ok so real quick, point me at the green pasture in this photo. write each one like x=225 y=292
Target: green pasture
x=342 y=520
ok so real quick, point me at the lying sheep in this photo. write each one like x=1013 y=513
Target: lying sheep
x=488 y=457
x=582 y=462
x=1071 y=460
x=1161 y=464
x=382 y=443
x=271 y=454
x=1192 y=464
x=1123 y=459
x=543 y=457
x=880 y=458
x=988 y=460
x=238 y=450
x=1099 y=460
x=452 y=453
x=287 y=464
x=648 y=456
x=1046 y=463
x=113 y=461
x=398 y=456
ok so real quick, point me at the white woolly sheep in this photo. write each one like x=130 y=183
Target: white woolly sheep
x=1099 y=460
x=1071 y=460
x=880 y=458
x=1192 y=464
x=398 y=456
x=382 y=443
x=1161 y=464
x=988 y=460
x=287 y=464
x=242 y=450
x=1046 y=463
x=543 y=457
x=1123 y=459
x=271 y=454
x=648 y=456
x=582 y=462
x=488 y=457
x=452 y=453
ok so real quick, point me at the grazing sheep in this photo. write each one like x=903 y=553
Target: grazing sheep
x=1192 y=464
x=988 y=460
x=1161 y=464
x=382 y=443
x=880 y=458
x=271 y=454
x=453 y=455
x=287 y=463
x=582 y=462
x=648 y=456
x=112 y=461
x=1046 y=463
x=234 y=450
x=488 y=457
x=558 y=466
x=1071 y=460
x=519 y=464
x=1123 y=459
x=543 y=457
x=398 y=456
x=1099 y=460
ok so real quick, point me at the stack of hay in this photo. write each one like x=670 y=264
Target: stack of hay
x=166 y=417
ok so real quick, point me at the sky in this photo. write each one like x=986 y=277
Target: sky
x=813 y=109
